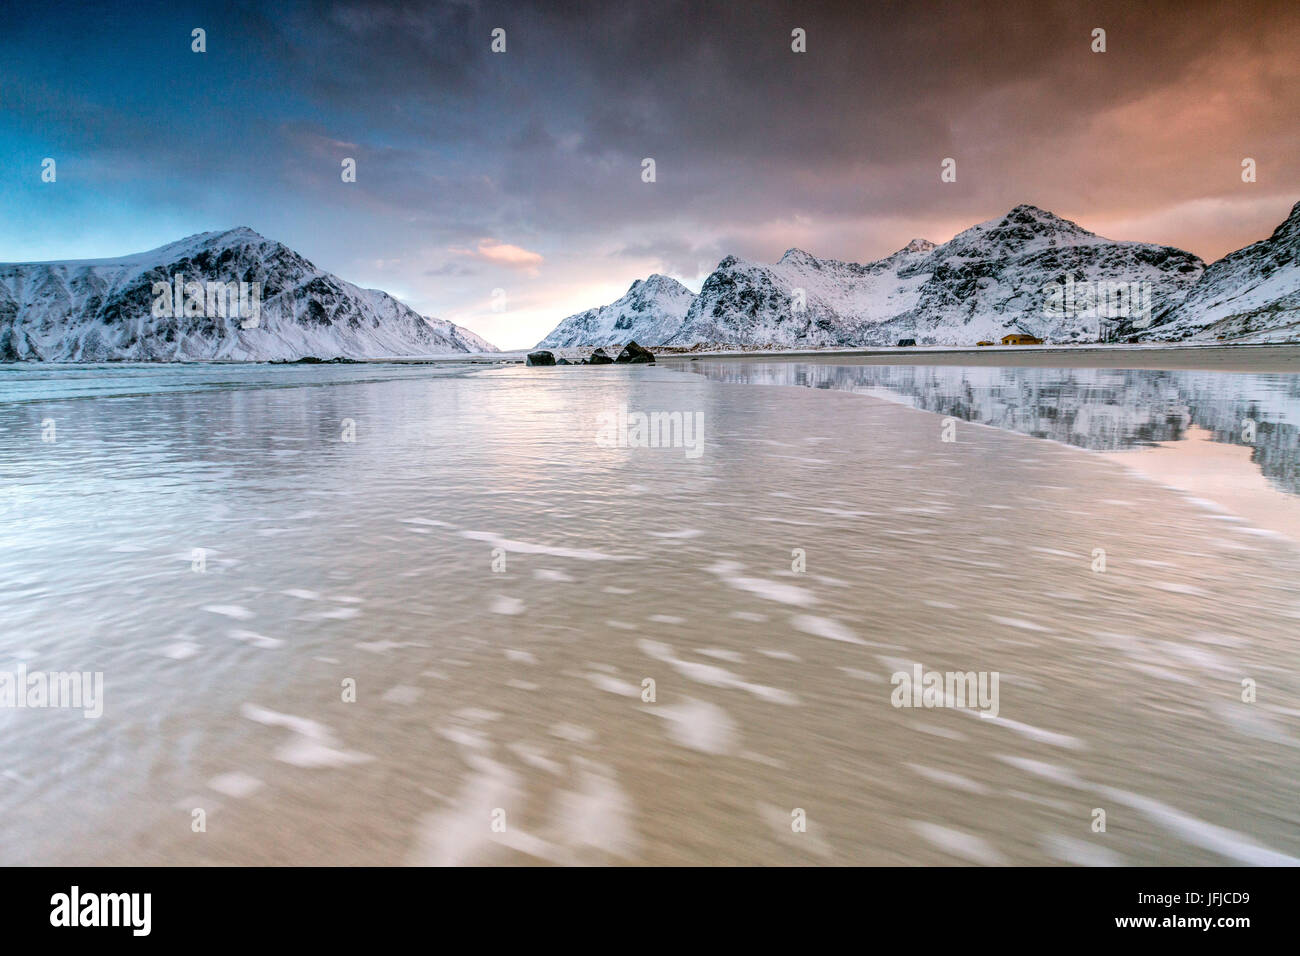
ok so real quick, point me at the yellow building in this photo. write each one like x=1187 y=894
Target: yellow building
x=1020 y=338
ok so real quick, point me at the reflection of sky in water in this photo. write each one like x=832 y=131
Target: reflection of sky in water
x=1099 y=409
x=40 y=382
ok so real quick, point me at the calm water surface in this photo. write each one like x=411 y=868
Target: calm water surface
x=240 y=550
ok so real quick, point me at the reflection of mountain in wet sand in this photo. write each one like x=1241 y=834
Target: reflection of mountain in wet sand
x=1220 y=473
x=1099 y=409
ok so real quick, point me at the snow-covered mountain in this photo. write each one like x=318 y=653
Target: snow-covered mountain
x=991 y=279
x=1251 y=295
x=802 y=301
x=103 y=309
x=986 y=282
x=651 y=311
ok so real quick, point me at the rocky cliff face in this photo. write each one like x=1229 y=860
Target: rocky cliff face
x=1251 y=295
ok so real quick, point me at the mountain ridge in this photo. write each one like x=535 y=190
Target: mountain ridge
x=989 y=280
x=1251 y=295
x=651 y=306
x=104 y=309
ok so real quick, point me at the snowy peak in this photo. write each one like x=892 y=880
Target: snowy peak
x=1288 y=231
x=237 y=238
x=111 y=309
x=170 y=251
x=649 y=312
x=1024 y=228
x=800 y=302
x=1026 y=211
x=795 y=256
x=999 y=276
x=240 y=232
x=223 y=237
x=1028 y=216
x=984 y=283
x=655 y=285
x=1281 y=248
x=993 y=279
x=1251 y=295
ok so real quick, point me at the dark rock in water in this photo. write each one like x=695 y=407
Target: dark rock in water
x=599 y=357
x=634 y=354
x=314 y=360
x=563 y=361
x=540 y=358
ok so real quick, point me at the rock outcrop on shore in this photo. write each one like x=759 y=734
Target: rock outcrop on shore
x=634 y=354
x=630 y=354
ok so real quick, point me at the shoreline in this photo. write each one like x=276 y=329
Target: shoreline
x=1283 y=359
x=1274 y=358
x=1210 y=358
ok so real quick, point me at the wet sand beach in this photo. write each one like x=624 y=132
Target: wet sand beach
x=497 y=588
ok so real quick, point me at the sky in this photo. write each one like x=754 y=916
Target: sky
x=516 y=178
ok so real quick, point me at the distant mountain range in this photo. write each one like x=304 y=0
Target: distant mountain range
x=991 y=280
x=107 y=309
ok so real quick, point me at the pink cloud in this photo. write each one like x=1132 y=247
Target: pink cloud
x=505 y=254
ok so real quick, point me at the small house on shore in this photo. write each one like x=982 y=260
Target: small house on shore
x=1020 y=338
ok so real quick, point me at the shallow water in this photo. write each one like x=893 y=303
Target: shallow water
x=499 y=585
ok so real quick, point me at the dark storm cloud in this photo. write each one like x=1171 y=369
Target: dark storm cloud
x=742 y=127
x=757 y=148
